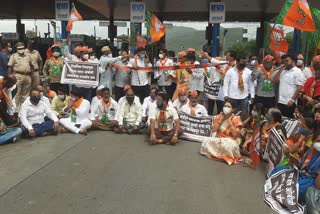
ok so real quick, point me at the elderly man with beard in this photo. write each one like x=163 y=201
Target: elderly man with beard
x=264 y=75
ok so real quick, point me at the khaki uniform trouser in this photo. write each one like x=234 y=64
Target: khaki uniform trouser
x=23 y=89
x=35 y=79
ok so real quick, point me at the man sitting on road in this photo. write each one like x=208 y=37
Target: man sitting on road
x=130 y=114
x=32 y=115
x=182 y=100
x=194 y=108
x=104 y=112
x=164 y=122
x=79 y=108
x=59 y=102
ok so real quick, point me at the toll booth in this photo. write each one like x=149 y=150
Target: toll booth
x=10 y=37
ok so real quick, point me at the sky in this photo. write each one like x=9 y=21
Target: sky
x=87 y=27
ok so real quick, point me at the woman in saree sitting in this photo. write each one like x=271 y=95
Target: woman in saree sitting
x=224 y=146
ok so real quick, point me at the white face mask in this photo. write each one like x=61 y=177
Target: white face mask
x=41 y=94
x=61 y=96
x=10 y=49
x=110 y=55
x=227 y=110
x=56 y=54
x=253 y=62
x=299 y=62
x=20 y=51
x=92 y=57
x=161 y=56
x=183 y=98
x=316 y=145
x=254 y=113
x=85 y=56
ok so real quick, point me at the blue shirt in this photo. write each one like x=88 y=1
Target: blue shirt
x=4 y=58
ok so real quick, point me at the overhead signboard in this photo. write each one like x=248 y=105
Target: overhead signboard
x=217 y=12
x=9 y=36
x=137 y=12
x=107 y=23
x=62 y=8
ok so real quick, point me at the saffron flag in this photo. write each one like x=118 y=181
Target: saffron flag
x=74 y=16
x=155 y=29
x=297 y=14
x=141 y=42
x=255 y=148
x=275 y=40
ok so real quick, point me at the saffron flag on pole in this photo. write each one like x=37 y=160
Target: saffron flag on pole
x=155 y=29
x=275 y=40
x=297 y=14
x=74 y=16
x=141 y=42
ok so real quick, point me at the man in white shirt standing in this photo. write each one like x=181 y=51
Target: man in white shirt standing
x=78 y=122
x=305 y=70
x=140 y=78
x=32 y=117
x=129 y=118
x=164 y=122
x=106 y=62
x=238 y=85
x=148 y=104
x=164 y=77
x=122 y=75
x=194 y=108
x=104 y=111
x=290 y=79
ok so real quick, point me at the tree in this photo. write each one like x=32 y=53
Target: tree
x=245 y=49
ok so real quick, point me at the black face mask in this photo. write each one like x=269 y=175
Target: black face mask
x=267 y=66
x=130 y=99
x=289 y=67
x=241 y=66
x=35 y=100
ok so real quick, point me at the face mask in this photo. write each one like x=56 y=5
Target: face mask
x=35 y=100
x=142 y=56
x=61 y=97
x=130 y=99
x=110 y=55
x=73 y=99
x=317 y=146
x=193 y=103
x=253 y=62
x=254 y=113
x=124 y=60
x=227 y=110
x=92 y=57
x=304 y=132
x=41 y=94
x=85 y=56
x=161 y=56
x=299 y=62
x=289 y=67
x=20 y=51
x=10 y=49
x=159 y=104
x=106 y=99
x=267 y=117
x=56 y=54
x=241 y=66
x=153 y=95
x=183 y=98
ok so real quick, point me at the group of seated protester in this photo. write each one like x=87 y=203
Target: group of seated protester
x=159 y=117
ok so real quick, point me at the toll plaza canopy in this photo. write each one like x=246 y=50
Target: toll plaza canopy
x=169 y=10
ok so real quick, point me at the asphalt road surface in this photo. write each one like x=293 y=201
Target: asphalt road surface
x=104 y=173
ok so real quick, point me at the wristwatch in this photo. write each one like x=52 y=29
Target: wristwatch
x=175 y=135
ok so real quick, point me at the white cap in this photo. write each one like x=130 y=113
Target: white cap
x=100 y=87
x=105 y=48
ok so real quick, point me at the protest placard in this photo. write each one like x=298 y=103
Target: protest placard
x=80 y=73
x=211 y=89
x=273 y=152
x=194 y=128
x=291 y=126
x=281 y=192
x=255 y=147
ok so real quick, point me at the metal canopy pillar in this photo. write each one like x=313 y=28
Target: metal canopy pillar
x=296 y=42
x=112 y=30
x=215 y=40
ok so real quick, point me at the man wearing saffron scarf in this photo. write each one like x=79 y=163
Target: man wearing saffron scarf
x=238 y=85
x=164 y=122
x=164 y=76
x=181 y=76
x=104 y=112
x=265 y=91
x=194 y=108
x=78 y=108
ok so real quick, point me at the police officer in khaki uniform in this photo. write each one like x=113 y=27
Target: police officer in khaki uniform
x=36 y=61
x=20 y=64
